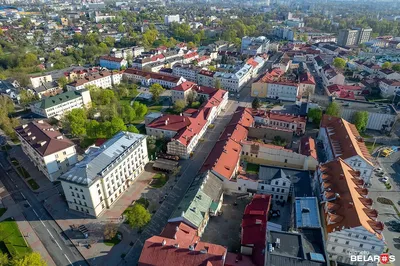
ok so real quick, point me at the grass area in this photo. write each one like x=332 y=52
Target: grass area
x=142 y=201
x=33 y=184
x=114 y=241
x=252 y=168
x=388 y=202
x=388 y=186
x=371 y=147
x=14 y=161
x=159 y=180
x=11 y=239
x=2 y=211
x=21 y=170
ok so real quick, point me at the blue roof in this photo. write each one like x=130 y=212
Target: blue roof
x=307 y=215
x=317 y=257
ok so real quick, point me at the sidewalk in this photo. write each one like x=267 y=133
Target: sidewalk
x=13 y=210
x=99 y=253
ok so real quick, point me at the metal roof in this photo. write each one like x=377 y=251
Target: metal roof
x=307 y=212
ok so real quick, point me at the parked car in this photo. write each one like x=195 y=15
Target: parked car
x=378 y=169
x=393 y=223
x=385 y=179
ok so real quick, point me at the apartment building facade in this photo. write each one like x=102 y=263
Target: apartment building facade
x=57 y=106
x=106 y=172
x=150 y=78
x=283 y=90
x=102 y=79
x=50 y=151
x=110 y=62
x=296 y=124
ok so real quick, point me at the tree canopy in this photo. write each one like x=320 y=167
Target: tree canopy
x=386 y=65
x=138 y=216
x=315 y=114
x=156 y=89
x=360 y=120
x=339 y=63
x=256 y=103
x=333 y=109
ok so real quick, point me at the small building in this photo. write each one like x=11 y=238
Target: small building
x=50 y=151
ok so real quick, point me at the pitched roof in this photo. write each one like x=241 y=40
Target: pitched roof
x=59 y=99
x=160 y=251
x=254 y=227
x=184 y=86
x=348 y=205
x=170 y=122
x=272 y=75
x=43 y=137
x=307 y=78
x=152 y=75
x=111 y=58
x=90 y=77
x=278 y=116
x=344 y=138
x=308 y=147
x=178 y=230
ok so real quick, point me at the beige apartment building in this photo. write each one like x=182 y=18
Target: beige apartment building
x=106 y=172
x=51 y=152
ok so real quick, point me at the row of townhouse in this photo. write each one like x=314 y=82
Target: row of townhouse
x=183 y=91
x=184 y=131
x=147 y=78
x=102 y=79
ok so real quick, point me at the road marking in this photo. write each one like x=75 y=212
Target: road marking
x=57 y=244
x=35 y=213
x=16 y=185
x=50 y=233
x=28 y=203
x=23 y=196
x=42 y=223
x=68 y=259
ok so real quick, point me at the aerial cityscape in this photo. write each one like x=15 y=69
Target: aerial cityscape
x=199 y=132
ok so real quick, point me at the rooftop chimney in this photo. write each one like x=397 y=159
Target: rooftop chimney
x=163 y=242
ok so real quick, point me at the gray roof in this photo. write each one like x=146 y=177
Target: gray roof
x=100 y=160
x=45 y=86
x=370 y=107
x=301 y=180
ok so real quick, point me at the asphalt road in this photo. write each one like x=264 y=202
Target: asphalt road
x=319 y=86
x=60 y=248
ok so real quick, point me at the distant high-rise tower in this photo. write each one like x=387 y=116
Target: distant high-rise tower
x=268 y=2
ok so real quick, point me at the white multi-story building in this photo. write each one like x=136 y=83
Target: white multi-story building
x=350 y=223
x=388 y=74
x=127 y=52
x=235 y=81
x=149 y=78
x=105 y=173
x=103 y=79
x=254 y=46
x=37 y=81
x=389 y=87
x=189 y=72
x=168 y=19
x=206 y=78
x=57 y=106
x=330 y=76
x=342 y=140
x=283 y=90
x=51 y=152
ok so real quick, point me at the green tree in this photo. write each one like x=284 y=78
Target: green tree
x=133 y=129
x=62 y=82
x=386 y=65
x=93 y=129
x=396 y=67
x=138 y=216
x=75 y=121
x=27 y=97
x=140 y=109
x=179 y=106
x=29 y=60
x=30 y=259
x=121 y=28
x=110 y=230
x=333 y=109
x=217 y=84
x=192 y=97
x=315 y=114
x=4 y=259
x=117 y=124
x=156 y=89
x=339 y=63
x=256 y=103
x=360 y=120
x=110 y=41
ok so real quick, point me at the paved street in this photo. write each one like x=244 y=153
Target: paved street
x=60 y=249
x=319 y=86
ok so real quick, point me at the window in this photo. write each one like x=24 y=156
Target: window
x=347 y=242
x=81 y=190
x=72 y=193
x=83 y=196
x=336 y=240
x=98 y=191
x=283 y=191
x=276 y=182
x=87 y=211
x=357 y=236
x=361 y=245
x=70 y=187
x=365 y=237
x=333 y=248
x=77 y=208
x=98 y=185
x=373 y=247
x=262 y=187
x=101 y=199
x=285 y=160
x=276 y=196
x=273 y=189
x=284 y=184
x=281 y=197
x=349 y=234
x=277 y=190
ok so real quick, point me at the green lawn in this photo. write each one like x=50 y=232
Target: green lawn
x=2 y=211
x=33 y=184
x=114 y=241
x=11 y=240
x=252 y=168
x=21 y=170
x=159 y=180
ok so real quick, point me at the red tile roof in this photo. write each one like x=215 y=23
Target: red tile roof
x=160 y=251
x=181 y=231
x=278 y=116
x=242 y=116
x=170 y=122
x=43 y=137
x=149 y=75
x=307 y=78
x=308 y=148
x=274 y=74
x=190 y=55
x=254 y=227
x=184 y=86
x=348 y=204
x=207 y=73
x=203 y=58
x=344 y=138
x=252 y=62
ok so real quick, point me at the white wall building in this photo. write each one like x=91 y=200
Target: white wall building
x=149 y=78
x=57 y=106
x=283 y=90
x=103 y=79
x=389 y=87
x=50 y=151
x=37 y=81
x=105 y=173
x=189 y=72
x=168 y=19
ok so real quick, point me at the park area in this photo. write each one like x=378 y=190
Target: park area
x=11 y=240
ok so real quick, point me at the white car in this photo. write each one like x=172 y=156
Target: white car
x=385 y=179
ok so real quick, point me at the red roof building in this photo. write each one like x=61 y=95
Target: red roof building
x=344 y=91
x=254 y=228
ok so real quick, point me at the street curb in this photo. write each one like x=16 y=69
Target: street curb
x=55 y=220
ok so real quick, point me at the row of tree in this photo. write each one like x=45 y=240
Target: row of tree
x=30 y=259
